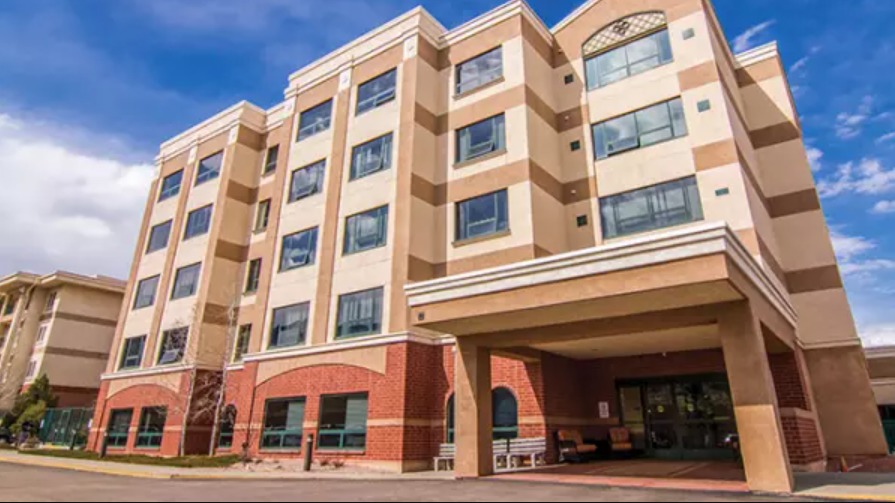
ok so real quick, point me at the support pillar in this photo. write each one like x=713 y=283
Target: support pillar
x=474 y=457
x=755 y=402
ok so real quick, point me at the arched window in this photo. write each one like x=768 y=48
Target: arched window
x=228 y=423
x=627 y=47
x=450 y=420
x=505 y=412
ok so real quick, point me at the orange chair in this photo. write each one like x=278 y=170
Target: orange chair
x=620 y=440
x=572 y=447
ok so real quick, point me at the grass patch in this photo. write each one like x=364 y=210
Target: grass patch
x=131 y=459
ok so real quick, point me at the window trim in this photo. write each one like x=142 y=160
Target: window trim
x=135 y=306
x=149 y=435
x=377 y=104
x=496 y=149
x=186 y=235
x=458 y=93
x=161 y=347
x=109 y=436
x=285 y=432
x=459 y=239
x=242 y=330
x=266 y=169
x=386 y=153
x=382 y=241
x=303 y=337
x=339 y=307
x=633 y=114
x=200 y=180
x=262 y=212
x=345 y=431
x=299 y=137
x=311 y=258
x=617 y=235
x=195 y=288
x=319 y=188
x=149 y=249
x=164 y=196
x=252 y=281
x=124 y=353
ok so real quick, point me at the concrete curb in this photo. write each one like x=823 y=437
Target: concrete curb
x=846 y=496
x=114 y=471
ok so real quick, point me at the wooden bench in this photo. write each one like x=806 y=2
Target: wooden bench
x=503 y=450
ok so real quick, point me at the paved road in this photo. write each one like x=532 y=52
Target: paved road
x=24 y=483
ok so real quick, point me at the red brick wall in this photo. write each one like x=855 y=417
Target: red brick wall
x=802 y=440
x=788 y=381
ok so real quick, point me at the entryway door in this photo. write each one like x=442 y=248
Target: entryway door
x=681 y=418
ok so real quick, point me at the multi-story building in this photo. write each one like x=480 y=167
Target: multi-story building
x=607 y=222
x=60 y=325
x=881 y=364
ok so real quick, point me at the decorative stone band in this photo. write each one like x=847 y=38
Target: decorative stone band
x=361 y=342
x=690 y=242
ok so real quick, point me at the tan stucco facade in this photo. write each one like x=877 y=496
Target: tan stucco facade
x=740 y=278
x=60 y=325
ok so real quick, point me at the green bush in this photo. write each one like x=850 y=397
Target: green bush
x=184 y=462
x=33 y=414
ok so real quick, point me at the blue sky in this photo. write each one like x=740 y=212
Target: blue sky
x=89 y=88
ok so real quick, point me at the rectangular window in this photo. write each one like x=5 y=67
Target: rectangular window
x=366 y=231
x=271 y=159
x=343 y=422
x=117 y=430
x=32 y=369
x=315 y=120
x=186 y=281
x=10 y=306
x=656 y=207
x=481 y=138
x=377 y=91
x=299 y=250
x=371 y=157
x=241 y=345
x=41 y=334
x=283 y=423
x=51 y=302
x=643 y=128
x=132 y=353
x=479 y=71
x=197 y=222
x=146 y=290
x=152 y=427
x=307 y=181
x=360 y=314
x=158 y=237
x=262 y=216
x=253 y=276
x=173 y=346
x=210 y=168
x=289 y=326
x=171 y=186
x=628 y=60
x=482 y=216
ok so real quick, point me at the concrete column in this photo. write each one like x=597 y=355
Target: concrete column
x=755 y=402
x=474 y=456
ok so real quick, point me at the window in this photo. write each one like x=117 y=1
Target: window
x=450 y=420
x=146 y=290
x=171 y=186
x=253 y=276
x=643 y=128
x=307 y=181
x=32 y=369
x=186 y=281
x=505 y=412
x=299 y=249
x=117 y=431
x=209 y=168
x=479 y=71
x=197 y=222
x=656 y=207
x=10 y=306
x=262 y=215
x=481 y=138
x=173 y=346
x=158 y=237
x=228 y=425
x=270 y=160
x=628 y=60
x=289 y=326
x=482 y=216
x=151 y=428
x=377 y=91
x=283 y=423
x=343 y=422
x=371 y=157
x=315 y=120
x=41 y=334
x=51 y=302
x=132 y=354
x=366 y=231
x=241 y=346
x=360 y=313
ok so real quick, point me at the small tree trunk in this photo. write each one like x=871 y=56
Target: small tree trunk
x=181 y=449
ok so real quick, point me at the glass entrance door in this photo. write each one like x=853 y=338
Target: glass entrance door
x=685 y=418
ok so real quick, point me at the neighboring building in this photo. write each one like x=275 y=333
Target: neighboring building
x=61 y=325
x=615 y=217
x=881 y=364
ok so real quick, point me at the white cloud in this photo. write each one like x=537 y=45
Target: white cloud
x=68 y=210
x=746 y=40
x=815 y=156
x=849 y=125
x=868 y=177
x=848 y=247
x=878 y=335
x=883 y=207
x=801 y=64
x=886 y=138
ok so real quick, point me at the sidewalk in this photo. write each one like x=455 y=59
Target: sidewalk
x=169 y=473
x=847 y=486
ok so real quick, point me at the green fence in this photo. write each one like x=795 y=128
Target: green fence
x=65 y=427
